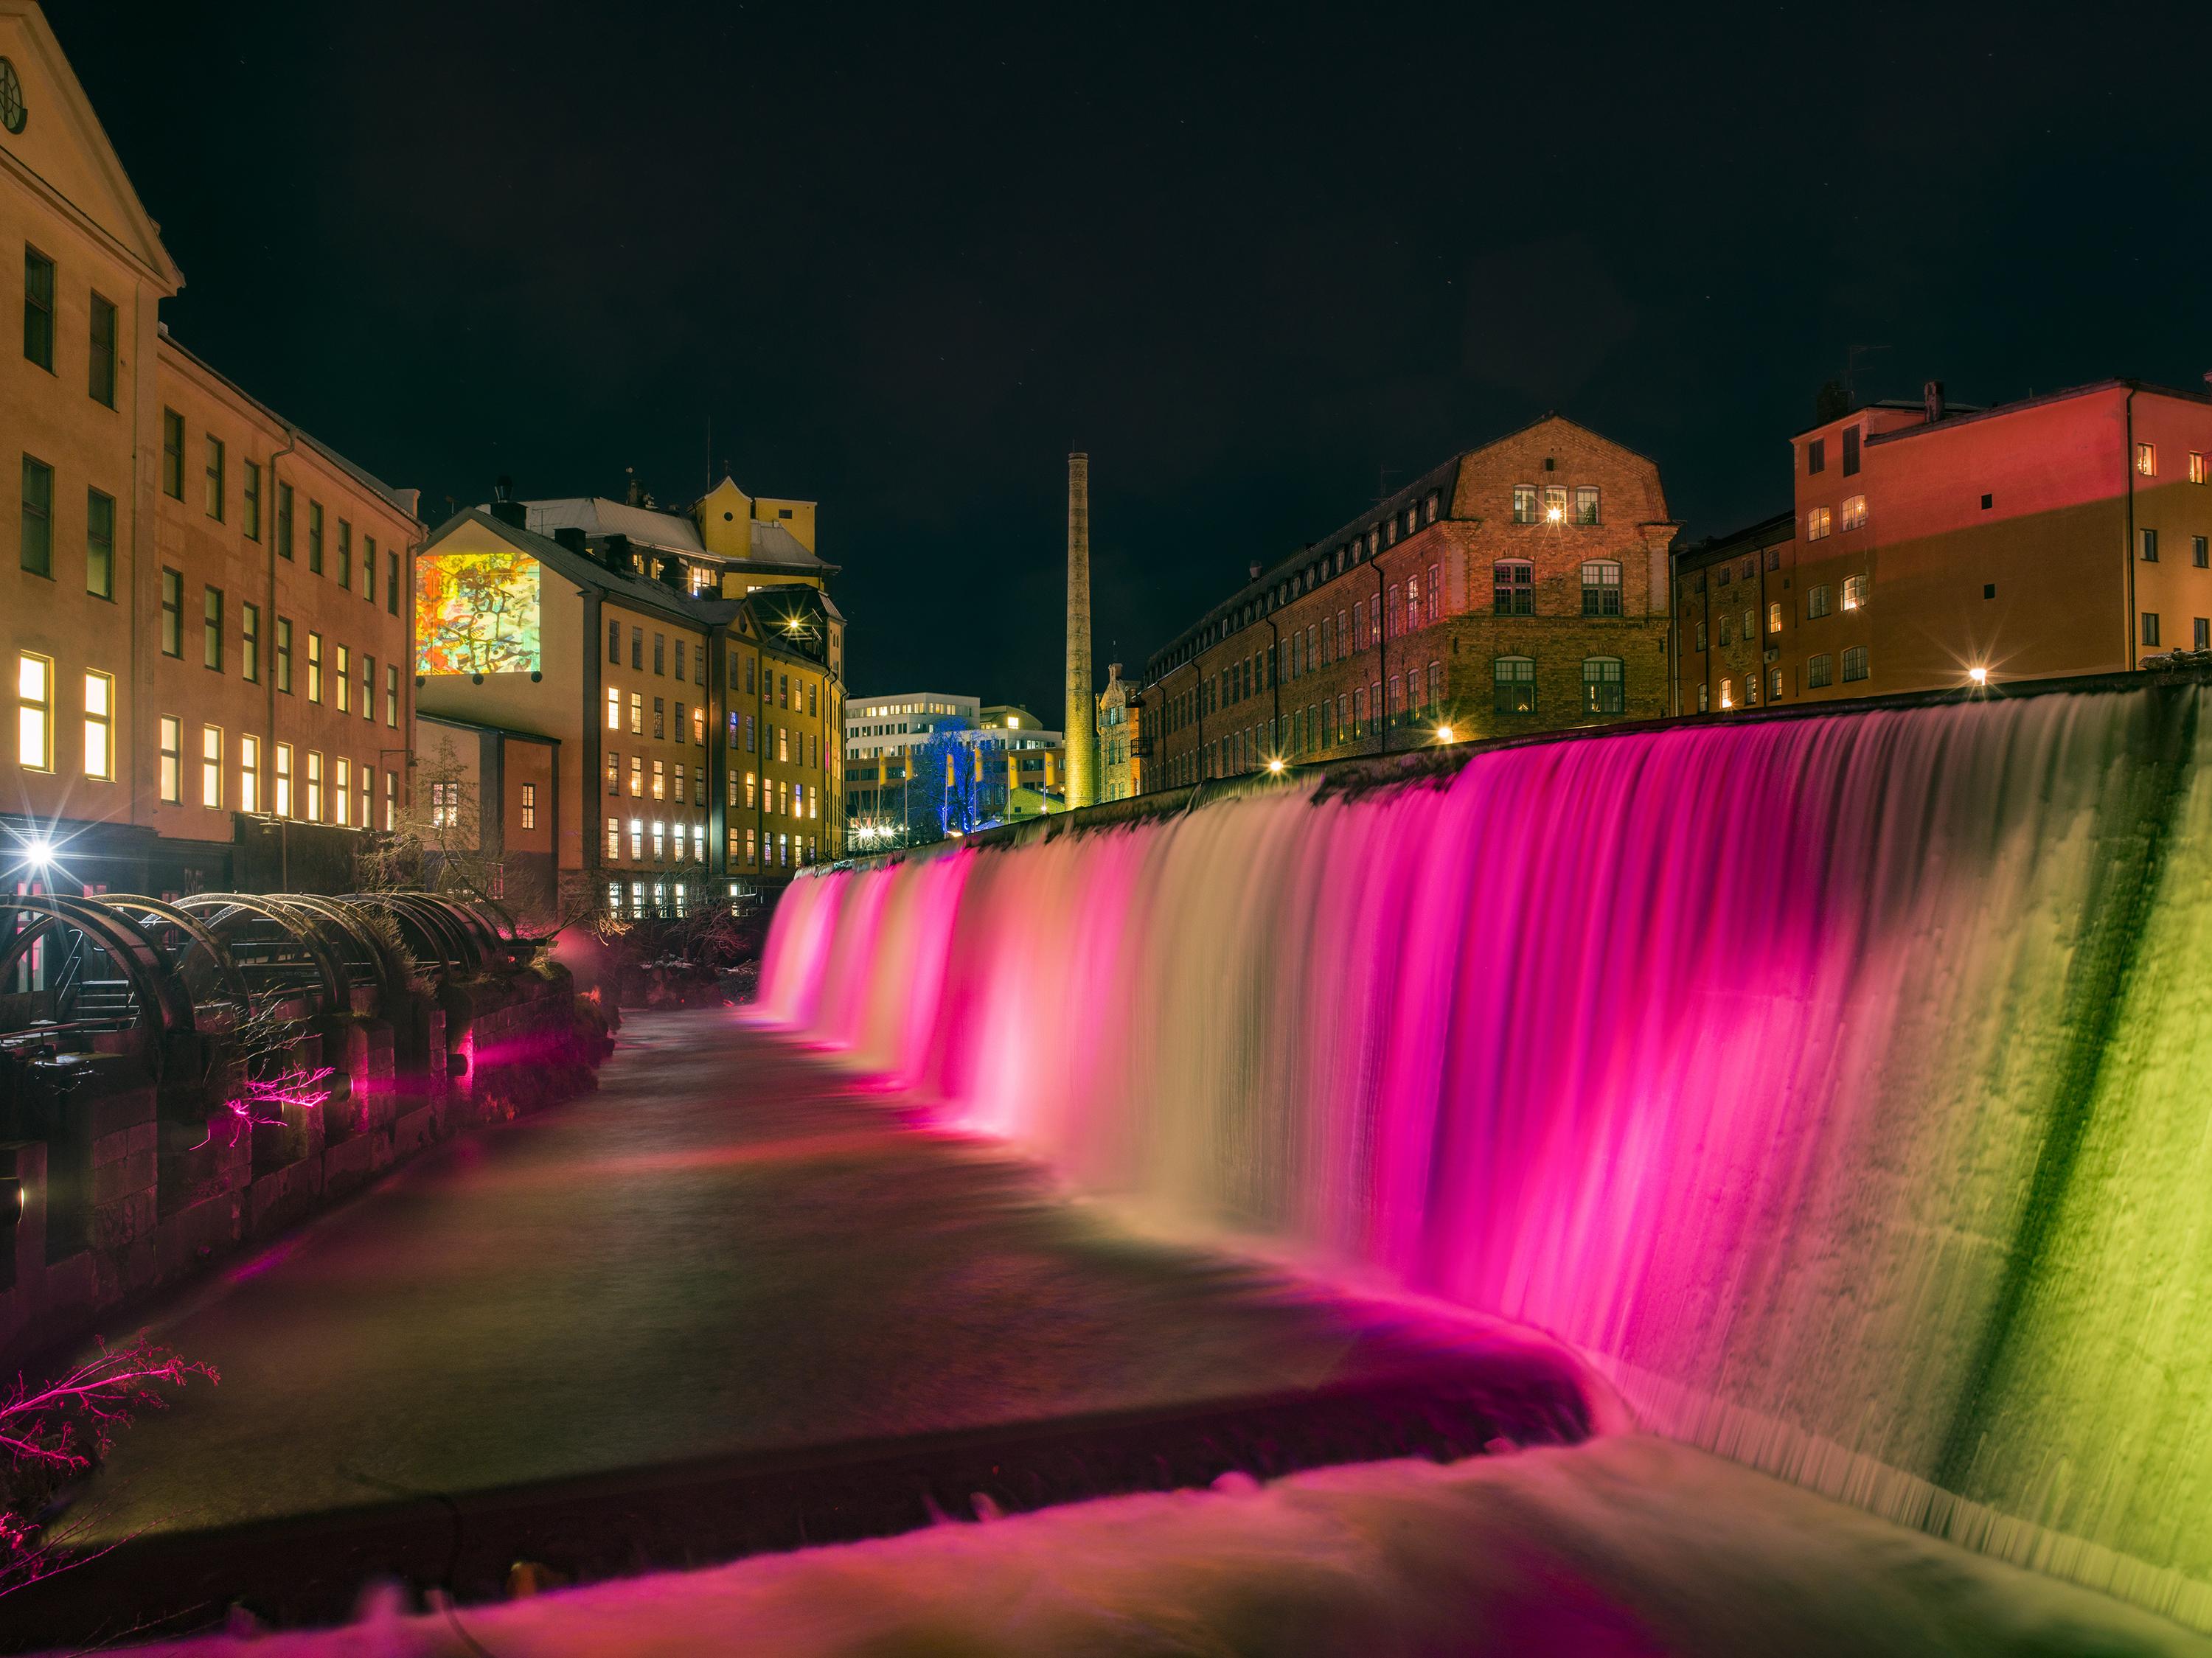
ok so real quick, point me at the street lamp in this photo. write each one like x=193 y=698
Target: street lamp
x=1275 y=764
x=1979 y=676
x=1445 y=734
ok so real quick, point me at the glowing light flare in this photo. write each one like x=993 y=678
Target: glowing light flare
x=1445 y=734
x=1979 y=676
x=1275 y=764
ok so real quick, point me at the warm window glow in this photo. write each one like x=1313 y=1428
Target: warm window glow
x=2147 y=460
x=1855 y=592
x=1816 y=524
x=2196 y=466
x=172 y=759
x=34 y=711
x=314 y=785
x=1774 y=616
x=1855 y=511
x=283 y=779
x=341 y=789
x=614 y=709
x=1728 y=693
x=211 y=766
x=249 y=774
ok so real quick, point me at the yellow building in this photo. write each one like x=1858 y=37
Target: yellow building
x=691 y=691
x=1121 y=738
x=203 y=620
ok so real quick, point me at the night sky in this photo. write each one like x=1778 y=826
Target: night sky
x=1261 y=263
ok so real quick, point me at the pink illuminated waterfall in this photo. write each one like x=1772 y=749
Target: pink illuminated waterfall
x=1836 y=1083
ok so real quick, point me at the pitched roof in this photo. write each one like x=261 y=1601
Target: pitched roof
x=668 y=532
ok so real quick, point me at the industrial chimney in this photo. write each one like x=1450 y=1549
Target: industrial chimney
x=1080 y=731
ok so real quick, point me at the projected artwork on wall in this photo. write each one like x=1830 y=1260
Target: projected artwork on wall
x=477 y=613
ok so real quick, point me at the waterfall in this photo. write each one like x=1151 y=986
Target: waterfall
x=1836 y=1082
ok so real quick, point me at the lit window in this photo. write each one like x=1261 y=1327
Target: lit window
x=172 y=759
x=315 y=675
x=1855 y=664
x=1774 y=685
x=342 y=679
x=2147 y=460
x=249 y=642
x=100 y=726
x=1602 y=688
x=249 y=774
x=1513 y=682
x=1774 y=616
x=1855 y=511
x=2196 y=466
x=1816 y=524
x=614 y=709
x=1555 y=503
x=637 y=713
x=341 y=790
x=34 y=711
x=392 y=695
x=614 y=839
x=314 y=785
x=637 y=839
x=211 y=766
x=660 y=781
x=283 y=779
x=1854 y=594
x=1819 y=670
x=1728 y=693
x=1602 y=588
x=1524 y=503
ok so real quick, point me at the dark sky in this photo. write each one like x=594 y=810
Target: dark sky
x=1254 y=259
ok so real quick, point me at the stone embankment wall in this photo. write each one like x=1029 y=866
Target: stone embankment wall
x=124 y=1182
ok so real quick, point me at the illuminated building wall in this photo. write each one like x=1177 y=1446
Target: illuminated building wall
x=477 y=613
x=2010 y=540
x=1518 y=588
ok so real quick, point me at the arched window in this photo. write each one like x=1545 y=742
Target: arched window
x=1602 y=691
x=1601 y=588
x=1513 y=681
x=1514 y=586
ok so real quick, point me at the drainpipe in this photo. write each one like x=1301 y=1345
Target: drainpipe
x=265 y=648
x=2127 y=460
x=1383 y=658
x=1275 y=683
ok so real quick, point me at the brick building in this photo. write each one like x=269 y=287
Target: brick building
x=1520 y=586
x=1930 y=545
x=204 y=620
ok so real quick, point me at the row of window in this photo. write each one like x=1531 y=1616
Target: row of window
x=1819 y=673
x=1818 y=600
x=214 y=652
x=215 y=499
x=39 y=328
x=35 y=543
x=349 y=801
x=2146 y=463
x=2200 y=555
x=662 y=831
x=698 y=655
x=37 y=748
x=1513 y=587
x=1551 y=504
x=1819 y=522
x=689 y=728
x=2200 y=636
x=670 y=844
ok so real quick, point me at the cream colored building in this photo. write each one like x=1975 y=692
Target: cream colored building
x=193 y=630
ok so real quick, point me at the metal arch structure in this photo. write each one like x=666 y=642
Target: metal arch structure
x=196 y=965
x=335 y=981
x=158 y=995
x=431 y=926
x=153 y=912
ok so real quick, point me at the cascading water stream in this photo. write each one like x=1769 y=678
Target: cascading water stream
x=1835 y=1082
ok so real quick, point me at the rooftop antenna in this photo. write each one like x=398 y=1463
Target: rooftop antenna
x=1851 y=354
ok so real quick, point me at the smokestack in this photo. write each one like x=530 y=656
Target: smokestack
x=1931 y=395
x=1080 y=731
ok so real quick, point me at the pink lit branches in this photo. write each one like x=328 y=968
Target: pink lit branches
x=52 y=1432
x=269 y=1078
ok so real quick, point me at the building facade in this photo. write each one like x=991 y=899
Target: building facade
x=1929 y=546
x=1520 y=586
x=203 y=619
x=689 y=695
x=1121 y=738
x=1019 y=768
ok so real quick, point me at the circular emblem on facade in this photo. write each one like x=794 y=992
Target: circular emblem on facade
x=12 y=112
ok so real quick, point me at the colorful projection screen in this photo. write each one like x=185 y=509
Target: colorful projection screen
x=477 y=613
